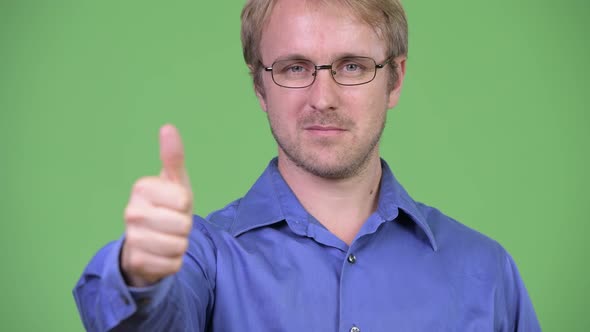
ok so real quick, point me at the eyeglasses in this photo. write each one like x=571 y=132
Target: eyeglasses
x=301 y=73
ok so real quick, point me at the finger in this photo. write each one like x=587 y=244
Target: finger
x=172 y=155
x=159 y=219
x=162 y=193
x=151 y=267
x=155 y=243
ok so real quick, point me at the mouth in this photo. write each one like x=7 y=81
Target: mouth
x=324 y=130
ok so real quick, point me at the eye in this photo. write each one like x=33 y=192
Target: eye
x=295 y=69
x=351 y=67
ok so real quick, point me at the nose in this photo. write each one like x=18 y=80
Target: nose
x=324 y=92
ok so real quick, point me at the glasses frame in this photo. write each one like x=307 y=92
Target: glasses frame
x=332 y=72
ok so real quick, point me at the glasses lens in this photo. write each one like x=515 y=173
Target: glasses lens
x=293 y=73
x=354 y=70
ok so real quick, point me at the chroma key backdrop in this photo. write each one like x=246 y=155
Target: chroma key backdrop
x=493 y=128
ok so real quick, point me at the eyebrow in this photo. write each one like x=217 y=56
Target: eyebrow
x=295 y=56
x=298 y=56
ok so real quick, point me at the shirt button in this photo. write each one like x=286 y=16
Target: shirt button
x=352 y=259
x=355 y=329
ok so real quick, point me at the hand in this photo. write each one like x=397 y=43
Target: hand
x=158 y=217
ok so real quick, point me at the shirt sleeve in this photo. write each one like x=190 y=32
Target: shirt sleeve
x=181 y=302
x=515 y=312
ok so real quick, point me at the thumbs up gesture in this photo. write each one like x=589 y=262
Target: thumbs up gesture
x=158 y=217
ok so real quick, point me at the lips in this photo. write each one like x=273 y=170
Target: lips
x=323 y=131
x=323 y=128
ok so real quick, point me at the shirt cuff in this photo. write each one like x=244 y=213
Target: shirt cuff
x=148 y=298
x=132 y=299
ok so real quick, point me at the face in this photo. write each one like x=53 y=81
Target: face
x=326 y=129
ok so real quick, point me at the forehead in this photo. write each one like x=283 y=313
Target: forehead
x=319 y=31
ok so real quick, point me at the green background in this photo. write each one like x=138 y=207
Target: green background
x=492 y=128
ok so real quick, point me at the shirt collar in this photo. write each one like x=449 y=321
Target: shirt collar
x=270 y=200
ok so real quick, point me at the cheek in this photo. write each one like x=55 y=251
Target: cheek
x=366 y=107
x=283 y=113
x=284 y=103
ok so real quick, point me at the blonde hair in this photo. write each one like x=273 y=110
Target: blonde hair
x=386 y=17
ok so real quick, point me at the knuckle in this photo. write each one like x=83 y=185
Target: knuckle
x=185 y=204
x=131 y=238
x=186 y=227
x=185 y=201
x=132 y=214
x=175 y=248
x=141 y=185
x=177 y=264
x=136 y=261
x=138 y=186
x=182 y=247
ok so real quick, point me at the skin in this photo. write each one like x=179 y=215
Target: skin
x=327 y=138
x=158 y=217
x=328 y=134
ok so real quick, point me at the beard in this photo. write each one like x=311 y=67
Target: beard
x=346 y=160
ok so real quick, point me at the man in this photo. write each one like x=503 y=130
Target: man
x=326 y=239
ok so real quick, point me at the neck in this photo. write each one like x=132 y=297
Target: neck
x=341 y=205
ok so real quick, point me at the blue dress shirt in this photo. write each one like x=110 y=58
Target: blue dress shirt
x=263 y=263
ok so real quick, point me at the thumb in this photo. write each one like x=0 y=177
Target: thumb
x=172 y=155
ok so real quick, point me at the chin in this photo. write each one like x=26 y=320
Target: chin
x=331 y=167
x=330 y=161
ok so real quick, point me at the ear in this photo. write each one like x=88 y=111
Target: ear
x=257 y=91
x=261 y=99
x=397 y=88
